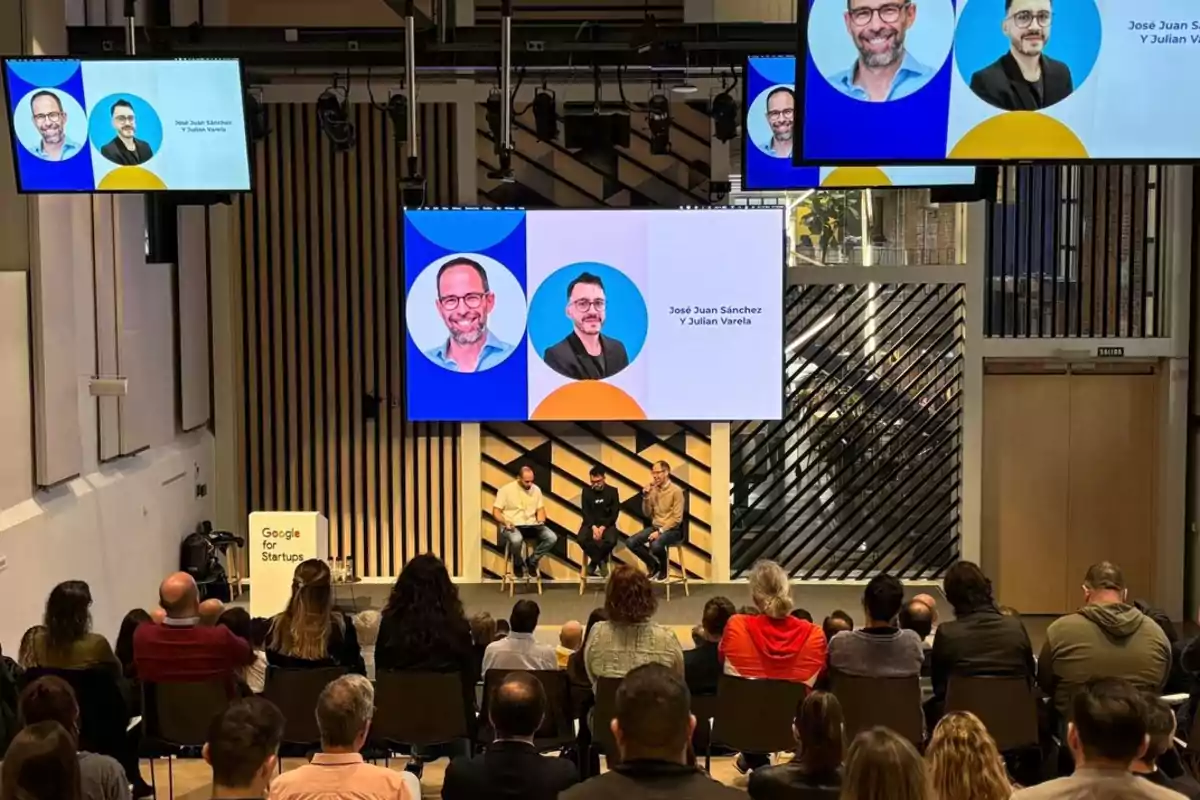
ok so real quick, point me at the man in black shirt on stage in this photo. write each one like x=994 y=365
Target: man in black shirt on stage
x=598 y=534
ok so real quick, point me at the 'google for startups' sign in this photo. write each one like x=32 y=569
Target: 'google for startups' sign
x=279 y=541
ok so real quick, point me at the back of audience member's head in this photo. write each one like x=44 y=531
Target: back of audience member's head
x=629 y=597
x=654 y=718
x=1008 y=611
x=930 y=602
x=68 y=617
x=883 y=765
x=344 y=711
x=502 y=629
x=837 y=622
x=1108 y=724
x=770 y=589
x=818 y=729
x=179 y=596
x=366 y=626
x=963 y=761
x=524 y=616
x=302 y=629
x=41 y=764
x=26 y=651
x=211 y=611
x=717 y=612
x=425 y=607
x=1160 y=728
x=123 y=647
x=243 y=744
x=802 y=614
x=237 y=619
x=260 y=629
x=883 y=597
x=967 y=588
x=749 y=611
x=1104 y=583
x=517 y=707
x=570 y=635
x=1159 y=616
x=916 y=617
x=597 y=615
x=49 y=698
x=483 y=629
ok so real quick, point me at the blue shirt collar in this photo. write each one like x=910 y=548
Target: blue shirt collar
x=907 y=79
x=69 y=149
x=769 y=150
x=494 y=351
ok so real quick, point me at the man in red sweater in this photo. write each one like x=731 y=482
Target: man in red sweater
x=180 y=649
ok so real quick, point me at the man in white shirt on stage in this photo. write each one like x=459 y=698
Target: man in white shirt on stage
x=520 y=511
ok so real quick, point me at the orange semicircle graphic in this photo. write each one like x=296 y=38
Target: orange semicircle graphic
x=856 y=178
x=131 y=179
x=1020 y=135
x=588 y=400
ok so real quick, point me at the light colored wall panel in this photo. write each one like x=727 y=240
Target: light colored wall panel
x=16 y=408
x=104 y=297
x=148 y=355
x=193 y=317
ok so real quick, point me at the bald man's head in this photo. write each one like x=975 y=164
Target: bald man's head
x=179 y=596
x=518 y=706
x=571 y=635
x=210 y=611
x=930 y=603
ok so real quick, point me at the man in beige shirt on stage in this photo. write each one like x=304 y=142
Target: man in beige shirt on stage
x=662 y=504
x=520 y=511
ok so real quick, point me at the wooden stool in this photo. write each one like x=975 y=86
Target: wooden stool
x=682 y=577
x=509 y=578
x=583 y=576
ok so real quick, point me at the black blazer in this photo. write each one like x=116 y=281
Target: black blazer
x=702 y=668
x=599 y=508
x=508 y=770
x=790 y=782
x=118 y=153
x=570 y=359
x=984 y=643
x=652 y=780
x=1003 y=85
x=341 y=650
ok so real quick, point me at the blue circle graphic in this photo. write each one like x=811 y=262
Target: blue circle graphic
x=149 y=126
x=626 y=318
x=1075 y=35
x=43 y=72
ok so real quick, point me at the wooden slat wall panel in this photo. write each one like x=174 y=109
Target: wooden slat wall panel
x=322 y=334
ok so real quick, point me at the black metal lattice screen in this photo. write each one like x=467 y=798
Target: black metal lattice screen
x=1075 y=251
x=862 y=475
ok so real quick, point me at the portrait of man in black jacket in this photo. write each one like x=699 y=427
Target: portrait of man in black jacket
x=125 y=148
x=599 y=505
x=586 y=353
x=1025 y=78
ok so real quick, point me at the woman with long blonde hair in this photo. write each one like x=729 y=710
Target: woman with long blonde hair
x=310 y=632
x=963 y=761
x=883 y=765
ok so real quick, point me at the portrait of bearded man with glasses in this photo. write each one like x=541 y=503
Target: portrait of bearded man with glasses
x=585 y=353
x=884 y=69
x=464 y=301
x=1025 y=78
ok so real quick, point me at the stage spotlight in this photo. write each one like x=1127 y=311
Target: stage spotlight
x=545 y=114
x=397 y=109
x=658 y=118
x=334 y=121
x=725 y=116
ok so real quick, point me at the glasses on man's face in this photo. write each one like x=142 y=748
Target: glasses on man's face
x=472 y=300
x=889 y=13
x=584 y=305
x=781 y=113
x=124 y=119
x=1024 y=19
x=53 y=116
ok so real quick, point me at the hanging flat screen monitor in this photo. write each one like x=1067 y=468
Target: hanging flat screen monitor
x=771 y=119
x=127 y=125
x=906 y=81
x=666 y=314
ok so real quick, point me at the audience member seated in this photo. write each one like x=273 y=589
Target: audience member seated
x=929 y=602
x=123 y=649
x=652 y=729
x=816 y=771
x=1178 y=681
x=702 y=664
x=570 y=639
x=242 y=748
x=576 y=665
x=1160 y=728
x=772 y=644
x=211 y=611
x=963 y=761
x=1107 y=638
x=501 y=629
x=883 y=765
x=519 y=650
x=41 y=764
x=511 y=766
x=915 y=616
x=878 y=649
x=979 y=641
x=65 y=640
x=238 y=620
x=366 y=625
x=310 y=633
x=1106 y=734
x=628 y=638
x=835 y=623
x=25 y=655
x=344 y=711
x=52 y=699
x=802 y=614
x=424 y=629
x=483 y=633
x=182 y=650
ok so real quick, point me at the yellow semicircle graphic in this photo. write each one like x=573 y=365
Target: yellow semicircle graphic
x=856 y=178
x=131 y=179
x=1019 y=135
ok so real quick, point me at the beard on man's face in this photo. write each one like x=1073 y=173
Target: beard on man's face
x=467 y=328
x=1031 y=42
x=880 y=47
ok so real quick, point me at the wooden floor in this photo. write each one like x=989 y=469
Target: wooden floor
x=193 y=778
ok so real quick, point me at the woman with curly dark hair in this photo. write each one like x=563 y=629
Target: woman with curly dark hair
x=65 y=640
x=423 y=629
x=628 y=638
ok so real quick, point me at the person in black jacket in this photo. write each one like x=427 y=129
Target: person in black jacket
x=1160 y=751
x=511 y=766
x=125 y=148
x=702 y=664
x=585 y=353
x=816 y=773
x=599 y=505
x=1024 y=78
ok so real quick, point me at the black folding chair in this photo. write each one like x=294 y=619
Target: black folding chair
x=755 y=716
x=295 y=692
x=891 y=702
x=704 y=709
x=1006 y=706
x=176 y=718
x=419 y=709
x=603 y=713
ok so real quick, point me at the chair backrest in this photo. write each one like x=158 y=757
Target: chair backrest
x=755 y=716
x=558 y=724
x=103 y=712
x=891 y=702
x=603 y=714
x=1006 y=706
x=419 y=708
x=295 y=692
x=180 y=713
